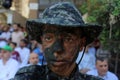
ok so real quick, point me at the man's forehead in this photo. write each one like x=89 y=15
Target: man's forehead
x=101 y=62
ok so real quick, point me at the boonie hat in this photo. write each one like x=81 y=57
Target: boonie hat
x=62 y=14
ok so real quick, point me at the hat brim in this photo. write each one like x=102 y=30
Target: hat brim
x=34 y=29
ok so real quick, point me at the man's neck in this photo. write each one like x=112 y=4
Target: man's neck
x=102 y=76
x=67 y=71
x=5 y=61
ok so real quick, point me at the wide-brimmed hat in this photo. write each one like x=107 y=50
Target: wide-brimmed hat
x=62 y=14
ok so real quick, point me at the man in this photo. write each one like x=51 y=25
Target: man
x=17 y=35
x=102 y=69
x=24 y=52
x=15 y=54
x=88 y=61
x=5 y=34
x=33 y=59
x=62 y=33
x=8 y=66
x=38 y=51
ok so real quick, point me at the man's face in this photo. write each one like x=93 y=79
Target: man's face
x=5 y=54
x=60 y=47
x=102 y=67
x=12 y=45
x=15 y=27
x=33 y=58
x=22 y=44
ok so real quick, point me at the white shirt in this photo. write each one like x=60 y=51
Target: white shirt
x=24 y=55
x=109 y=75
x=5 y=35
x=88 y=61
x=92 y=51
x=8 y=70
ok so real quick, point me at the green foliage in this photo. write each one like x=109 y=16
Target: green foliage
x=116 y=6
x=99 y=11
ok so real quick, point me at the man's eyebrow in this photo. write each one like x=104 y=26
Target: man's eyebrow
x=49 y=31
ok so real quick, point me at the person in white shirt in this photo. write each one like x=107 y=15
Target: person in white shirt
x=24 y=52
x=88 y=61
x=102 y=69
x=8 y=66
x=17 y=35
x=5 y=34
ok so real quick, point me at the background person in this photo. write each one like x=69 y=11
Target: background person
x=17 y=34
x=102 y=69
x=38 y=50
x=15 y=54
x=8 y=66
x=87 y=62
x=34 y=59
x=24 y=52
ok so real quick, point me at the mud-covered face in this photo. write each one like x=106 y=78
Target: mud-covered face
x=61 y=47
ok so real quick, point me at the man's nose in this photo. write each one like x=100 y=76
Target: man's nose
x=103 y=68
x=58 y=45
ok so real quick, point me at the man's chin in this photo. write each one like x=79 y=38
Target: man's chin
x=57 y=68
x=60 y=63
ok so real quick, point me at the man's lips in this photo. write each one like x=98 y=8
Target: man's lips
x=59 y=62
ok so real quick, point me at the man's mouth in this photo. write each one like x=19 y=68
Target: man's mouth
x=59 y=62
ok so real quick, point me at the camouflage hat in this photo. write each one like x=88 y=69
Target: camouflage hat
x=62 y=14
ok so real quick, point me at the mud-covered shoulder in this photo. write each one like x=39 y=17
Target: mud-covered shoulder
x=33 y=72
x=89 y=77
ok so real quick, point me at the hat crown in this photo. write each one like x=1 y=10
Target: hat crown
x=62 y=14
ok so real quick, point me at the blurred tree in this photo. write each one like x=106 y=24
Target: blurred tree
x=106 y=13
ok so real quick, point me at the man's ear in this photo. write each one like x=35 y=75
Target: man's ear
x=82 y=43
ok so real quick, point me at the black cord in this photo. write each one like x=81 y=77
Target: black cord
x=82 y=55
x=43 y=61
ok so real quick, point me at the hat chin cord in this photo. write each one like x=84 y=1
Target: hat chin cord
x=79 y=60
x=82 y=55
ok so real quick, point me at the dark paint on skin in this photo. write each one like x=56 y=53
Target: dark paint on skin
x=49 y=52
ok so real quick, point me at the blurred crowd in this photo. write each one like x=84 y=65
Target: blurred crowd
x=17 y=50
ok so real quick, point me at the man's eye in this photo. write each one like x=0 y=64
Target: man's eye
x=68 y=39
x=105 y=65
x=48 y=38
x=101 y=65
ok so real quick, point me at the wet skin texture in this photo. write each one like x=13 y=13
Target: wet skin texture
x=61 y=48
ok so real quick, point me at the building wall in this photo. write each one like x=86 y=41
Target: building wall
x=31 y=9
x=22 y=7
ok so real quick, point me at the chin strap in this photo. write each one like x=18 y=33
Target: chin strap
x=43 y=61
x=82 y=55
